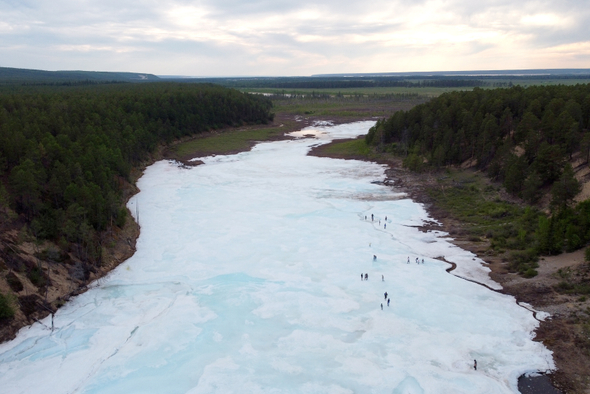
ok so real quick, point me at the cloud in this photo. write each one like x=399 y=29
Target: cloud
x=263 y=37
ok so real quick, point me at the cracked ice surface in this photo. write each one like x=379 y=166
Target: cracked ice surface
x=246 y=279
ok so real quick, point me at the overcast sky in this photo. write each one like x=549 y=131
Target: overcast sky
x=293 y=37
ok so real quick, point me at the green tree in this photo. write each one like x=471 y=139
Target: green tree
x=565 y=189
x=26 y=186
x=585 y=147
x=515 y=175
x=549 y=162
x=531 y=189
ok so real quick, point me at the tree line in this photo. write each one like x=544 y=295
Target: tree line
x=522 y=137
x=65 y=153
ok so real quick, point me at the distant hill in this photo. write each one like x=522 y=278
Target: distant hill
x=20 y=75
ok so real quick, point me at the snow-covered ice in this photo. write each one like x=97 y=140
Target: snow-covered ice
x=246 y=280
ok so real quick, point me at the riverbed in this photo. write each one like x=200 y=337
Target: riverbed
x=247 y=279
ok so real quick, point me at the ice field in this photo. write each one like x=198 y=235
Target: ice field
x=246 y=279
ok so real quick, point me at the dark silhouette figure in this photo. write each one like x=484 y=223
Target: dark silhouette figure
x=475 y=364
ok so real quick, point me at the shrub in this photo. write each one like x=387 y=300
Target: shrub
x=530 y=273
x=6 y=310
x=37 y=277
x=524 y=261
x=565 y=286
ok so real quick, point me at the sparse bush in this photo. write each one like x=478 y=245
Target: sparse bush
x=121 y=217
x=6 y=309
x=37 y=276
x=530 y=273
x=524 y=262
x=413 y=162
x=565 y=286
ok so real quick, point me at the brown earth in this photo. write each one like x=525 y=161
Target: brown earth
x=64 y=275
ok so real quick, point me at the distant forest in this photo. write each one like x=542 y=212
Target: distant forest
x=377 y=81
x=65 y=153
x=522 y=137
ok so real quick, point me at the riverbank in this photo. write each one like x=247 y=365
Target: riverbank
x=243 y=235
x=61 y=275
x=562 y=332
x=557 y=333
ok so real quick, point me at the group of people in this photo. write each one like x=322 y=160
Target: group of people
x=385 y=296
x=373 y=219
x=387 y=300
x=366 y=276
x=417 y=260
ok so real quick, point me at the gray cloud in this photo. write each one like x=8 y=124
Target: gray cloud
x=223 y=37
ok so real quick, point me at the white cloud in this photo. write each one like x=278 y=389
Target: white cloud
x=548 y=20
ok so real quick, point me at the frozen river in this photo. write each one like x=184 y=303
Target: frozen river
x=246 y=279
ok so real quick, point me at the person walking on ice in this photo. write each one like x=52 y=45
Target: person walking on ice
x=422 y=260
x=417 y=262
x=385 y=294
x=381 y=306
x=366 y=276
x=382 y=278
x=408 y=259
x=371 y=217
x=385 y=225
x=362 y=276
x=388 y=302
x=374 y=257
x=474 y=362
